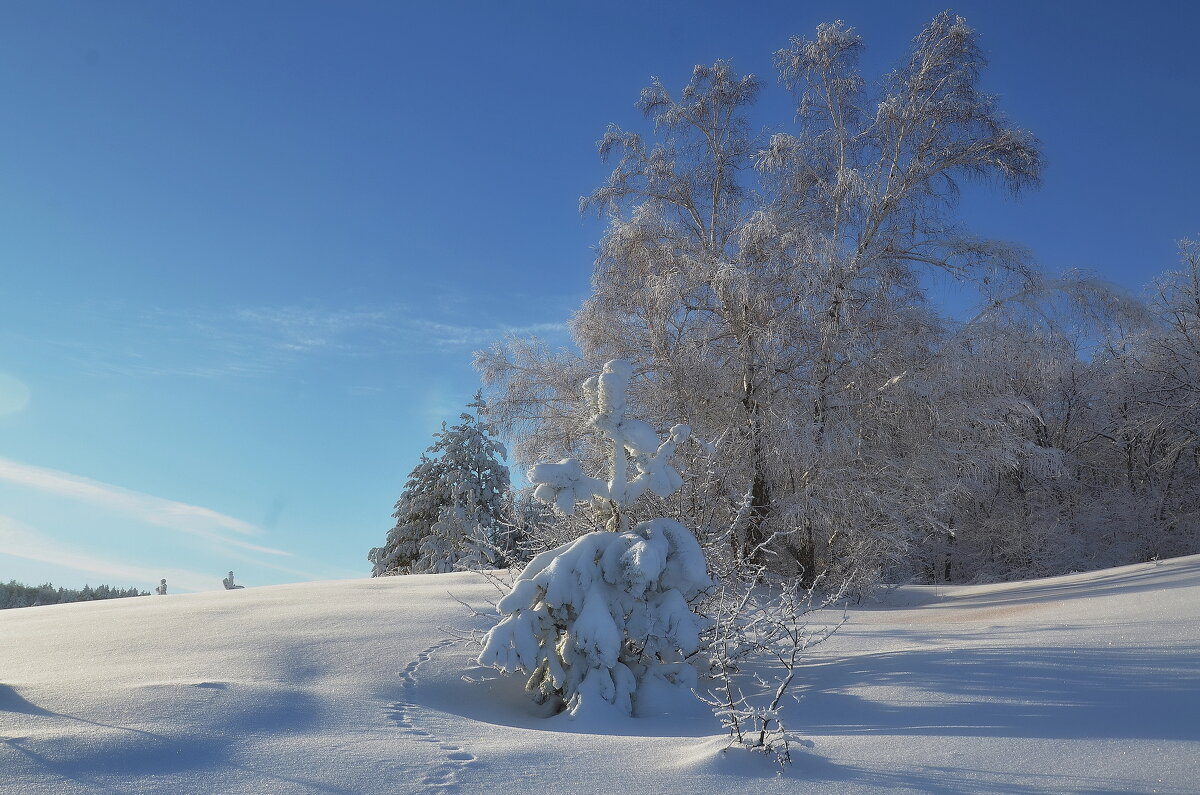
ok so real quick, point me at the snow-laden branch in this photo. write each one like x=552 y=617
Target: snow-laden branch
x=564 y=484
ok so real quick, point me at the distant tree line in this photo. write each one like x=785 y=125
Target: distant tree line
x=15 y=594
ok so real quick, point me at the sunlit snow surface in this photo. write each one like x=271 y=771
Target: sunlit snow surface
x=1085 y=683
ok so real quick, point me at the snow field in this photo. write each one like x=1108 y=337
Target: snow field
x=1085 y=683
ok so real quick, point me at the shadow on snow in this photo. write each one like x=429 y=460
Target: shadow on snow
x=1035 y=692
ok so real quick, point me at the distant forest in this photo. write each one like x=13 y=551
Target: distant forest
x=16 y=594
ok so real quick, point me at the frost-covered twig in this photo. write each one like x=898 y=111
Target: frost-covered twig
x=756 y=620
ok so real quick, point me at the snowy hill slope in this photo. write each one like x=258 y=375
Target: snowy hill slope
x=1085 y=683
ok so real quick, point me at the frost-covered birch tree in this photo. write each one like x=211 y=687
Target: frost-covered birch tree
x=774 y=287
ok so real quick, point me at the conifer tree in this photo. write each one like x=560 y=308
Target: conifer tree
x=451 y=512
x=594 y=621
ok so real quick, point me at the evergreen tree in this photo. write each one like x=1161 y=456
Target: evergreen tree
x=451 y=514
x=15 y=594
x=593 y=621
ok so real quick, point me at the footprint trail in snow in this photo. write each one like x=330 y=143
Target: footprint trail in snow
x=406 y=714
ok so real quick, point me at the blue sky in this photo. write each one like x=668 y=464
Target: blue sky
x=247 y=249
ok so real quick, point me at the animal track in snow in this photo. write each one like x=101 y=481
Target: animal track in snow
x=406 y=714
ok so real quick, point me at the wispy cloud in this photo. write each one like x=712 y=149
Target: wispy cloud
x=168 y=514
x=253 y=340
x=453 y=335
x=22 y=541
x=307 y=330
x=265 y=341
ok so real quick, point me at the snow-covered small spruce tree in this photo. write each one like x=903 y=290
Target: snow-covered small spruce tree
x=458 y=540
x=452 y=508
x=594 y=620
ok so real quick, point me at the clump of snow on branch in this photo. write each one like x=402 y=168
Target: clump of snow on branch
x=563 y=484
x=594 y=620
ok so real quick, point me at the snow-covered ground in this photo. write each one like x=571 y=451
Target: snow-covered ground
x=1085 y=683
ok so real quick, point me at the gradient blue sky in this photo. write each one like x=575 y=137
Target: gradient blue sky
x=247 y=249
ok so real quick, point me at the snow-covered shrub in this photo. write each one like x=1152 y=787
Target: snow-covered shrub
x=758 y=635
x=229 y=584
x=593 y=620
x=161 y=588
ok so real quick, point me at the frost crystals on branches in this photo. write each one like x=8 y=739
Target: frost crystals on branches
x=760 y=632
